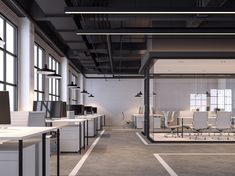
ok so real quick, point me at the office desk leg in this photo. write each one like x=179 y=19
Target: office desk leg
x=20 y=157
x=58 y=152
x=84 y=131
x=87 y=132
x=44 y=154
x=80 y=138
x=182 y=128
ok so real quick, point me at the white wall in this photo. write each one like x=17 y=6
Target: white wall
x=112 y=97
x=174 y=94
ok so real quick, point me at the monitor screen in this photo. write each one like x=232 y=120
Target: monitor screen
x=94 y=110
x=78 y=109
x=5 y=117
x=88 y=109
x=53 y=109
x=64 y=109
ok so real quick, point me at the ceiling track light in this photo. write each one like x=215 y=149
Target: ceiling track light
x=2 y=43
x=72 y=85
x=45 y=70
x=54 y=76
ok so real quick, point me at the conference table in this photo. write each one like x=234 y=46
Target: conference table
x=20 y=134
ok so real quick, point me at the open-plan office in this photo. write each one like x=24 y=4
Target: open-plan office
x=117 y=87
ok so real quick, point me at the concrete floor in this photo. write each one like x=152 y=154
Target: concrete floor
x=122 y=153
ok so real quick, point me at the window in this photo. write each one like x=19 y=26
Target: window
x=8 y=60
x=54 y=84
x=198 y=101
x=39 y=79
x=222 y=99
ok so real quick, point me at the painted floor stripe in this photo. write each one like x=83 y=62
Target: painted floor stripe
x=85 y=156
x=165 y=165
x=196 y=154
x=141 y=138
x=180 y=144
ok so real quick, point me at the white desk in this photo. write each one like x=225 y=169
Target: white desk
x=92 y=123
x=72 y=134
x=139 y=118
x=22 y=133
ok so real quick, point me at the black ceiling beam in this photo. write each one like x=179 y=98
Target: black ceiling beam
x=110 y=52
x=77 y=21
x=123 y=46
x=196 y=22
x=137 y=31
x=137 y=9
x=171 y=18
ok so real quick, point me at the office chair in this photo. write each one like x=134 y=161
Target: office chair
x=127 y=123
x=223 y=123
x=200 y=123
x=167 y=124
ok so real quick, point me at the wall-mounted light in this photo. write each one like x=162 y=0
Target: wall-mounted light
x=54 y=76
x=72 y=85
x=45 y=70
x=2 y=43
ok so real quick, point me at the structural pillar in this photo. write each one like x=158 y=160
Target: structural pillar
x=146 y=103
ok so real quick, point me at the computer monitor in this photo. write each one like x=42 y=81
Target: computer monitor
x=5 y=116
x=52 y=109
x=94 y=110
x=64 y=109
x=78 y=109
x=88 y=109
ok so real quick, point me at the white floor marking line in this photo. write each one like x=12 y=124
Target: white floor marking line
x=196 y=154
x=179 y=144
x=85 y=156
x=141 y=138
x=165 y=165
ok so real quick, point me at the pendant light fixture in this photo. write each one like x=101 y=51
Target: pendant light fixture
x=45 y=70
x=2 y=43
x=91 y=96
x=54 y=76
x=72 y=85
x=84 y=91
x=154 y=93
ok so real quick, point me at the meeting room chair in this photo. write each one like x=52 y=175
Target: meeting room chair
x=199 y=124
x=167 y=125
x=223 y=123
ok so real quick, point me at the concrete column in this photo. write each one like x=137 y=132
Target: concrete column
x=64 y=79
x=26 y=65
x=82 y=85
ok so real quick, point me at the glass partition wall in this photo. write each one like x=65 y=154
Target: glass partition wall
x=190 y=107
